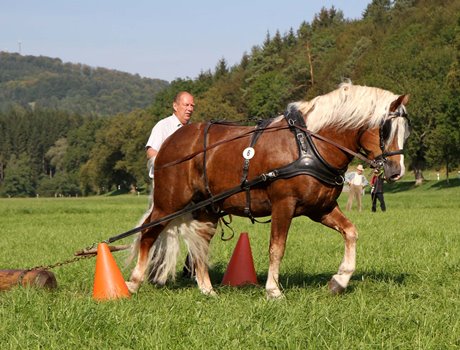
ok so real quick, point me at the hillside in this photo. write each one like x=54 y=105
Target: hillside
x=50 y=83
x=47 y=151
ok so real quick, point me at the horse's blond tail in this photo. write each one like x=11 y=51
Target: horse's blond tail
x=165 y=251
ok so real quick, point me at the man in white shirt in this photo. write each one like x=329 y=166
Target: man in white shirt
x=356 y=182
x=183 y=107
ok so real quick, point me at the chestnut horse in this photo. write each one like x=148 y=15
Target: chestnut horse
x=355 y=118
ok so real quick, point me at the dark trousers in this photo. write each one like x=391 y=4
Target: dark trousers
x=378 y=196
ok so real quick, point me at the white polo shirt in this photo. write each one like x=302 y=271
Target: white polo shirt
x=162 y=130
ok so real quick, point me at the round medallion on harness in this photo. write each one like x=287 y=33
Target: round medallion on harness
x=248 y=153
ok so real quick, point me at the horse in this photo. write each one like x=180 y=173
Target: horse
x=201 y=160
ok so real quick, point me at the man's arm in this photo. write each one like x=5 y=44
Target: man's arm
x=151 y=153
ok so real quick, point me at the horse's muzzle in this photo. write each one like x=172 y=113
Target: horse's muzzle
x=392 y=171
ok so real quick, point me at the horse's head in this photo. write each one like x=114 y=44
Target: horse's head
x=384 y=144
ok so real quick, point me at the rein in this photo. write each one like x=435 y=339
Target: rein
x=206 y=148
x=370 y=162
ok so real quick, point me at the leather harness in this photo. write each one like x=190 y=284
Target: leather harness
x=309 y=161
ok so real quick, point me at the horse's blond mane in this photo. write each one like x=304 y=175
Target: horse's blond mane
x=348 y=107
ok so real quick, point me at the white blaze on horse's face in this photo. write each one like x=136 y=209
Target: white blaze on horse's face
x=403 y=131
x=400 y=131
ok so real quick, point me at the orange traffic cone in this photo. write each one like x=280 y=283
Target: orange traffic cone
x=108 y=280
x=240 y=269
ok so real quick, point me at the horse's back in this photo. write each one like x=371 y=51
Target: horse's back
x=223 y=167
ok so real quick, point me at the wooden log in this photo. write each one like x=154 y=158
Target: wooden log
x=32 y=278
x=93 y=251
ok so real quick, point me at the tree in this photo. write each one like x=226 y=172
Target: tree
x=327 y=18
x=56 y=154
x=213 y=106
x=18 y=181
x=445 y=138
x=221 y=69
x=378 y=12
x=267 y=95
x=117 y=159
x=62 y=184
x=80 y=142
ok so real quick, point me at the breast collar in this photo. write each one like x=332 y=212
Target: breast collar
x=310 y=161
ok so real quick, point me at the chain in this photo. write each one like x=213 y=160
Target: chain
x=61 y=263
x=65 y=262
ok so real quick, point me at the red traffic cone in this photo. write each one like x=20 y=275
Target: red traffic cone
x=108 y=280
x=240 y=269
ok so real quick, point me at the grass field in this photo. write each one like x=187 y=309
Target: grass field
x=405 y=293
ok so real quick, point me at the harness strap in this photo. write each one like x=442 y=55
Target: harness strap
x=195 y=206
x=296 y=122
x=205 y=174
x=259 y=129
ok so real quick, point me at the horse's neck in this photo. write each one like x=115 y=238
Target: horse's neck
x=333 y=155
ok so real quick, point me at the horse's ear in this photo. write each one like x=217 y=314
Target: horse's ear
x=401 y=100
x=405 y=100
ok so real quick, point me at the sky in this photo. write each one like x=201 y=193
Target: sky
x=158 y=39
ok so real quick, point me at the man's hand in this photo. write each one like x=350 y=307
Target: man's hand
x=150 y=163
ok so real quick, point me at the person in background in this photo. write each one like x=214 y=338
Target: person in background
x=356 y=182
x=377 y=191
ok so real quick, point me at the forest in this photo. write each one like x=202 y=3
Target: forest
x=405 y=46
x=44 y=82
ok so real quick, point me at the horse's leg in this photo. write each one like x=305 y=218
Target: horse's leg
x=146 y=240
x=188 y=271
x=282 y=213
x=198 y=237
x=336 y=220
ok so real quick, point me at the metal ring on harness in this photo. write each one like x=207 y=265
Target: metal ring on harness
x=342 y=181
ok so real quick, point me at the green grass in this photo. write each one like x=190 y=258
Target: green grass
x=403 y=295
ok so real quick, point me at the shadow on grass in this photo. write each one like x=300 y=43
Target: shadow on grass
x=399 y=187
x=297 y=279
x=118 y=192
x=403 y=186
x=444 y=184
x=321 y=279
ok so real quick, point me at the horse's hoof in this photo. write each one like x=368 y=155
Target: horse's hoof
x=209 y=293
x=274 y=294
x=334 y=287
x=132 y=286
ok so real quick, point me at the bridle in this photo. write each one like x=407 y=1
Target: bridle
x=380 y=160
